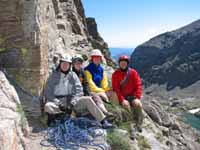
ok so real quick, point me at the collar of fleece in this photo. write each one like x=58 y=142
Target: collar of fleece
x=96 y=72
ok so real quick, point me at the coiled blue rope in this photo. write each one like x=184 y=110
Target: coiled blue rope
x=73 y=133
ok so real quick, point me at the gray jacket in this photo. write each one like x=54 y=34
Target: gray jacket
x=66 y=86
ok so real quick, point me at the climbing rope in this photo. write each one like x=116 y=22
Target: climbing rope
x=73 y=133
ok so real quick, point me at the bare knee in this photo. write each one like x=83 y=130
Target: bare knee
x=97 y=99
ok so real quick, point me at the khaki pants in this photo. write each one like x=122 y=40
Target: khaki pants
x=138 y=114
x=84 y=104
x=97 y=98
x=109 y=96
x=113 y=97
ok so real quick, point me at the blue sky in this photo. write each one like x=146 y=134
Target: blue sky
x=128 y=23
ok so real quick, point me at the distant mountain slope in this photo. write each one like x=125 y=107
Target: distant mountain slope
x=172 y=58
x=116 y=52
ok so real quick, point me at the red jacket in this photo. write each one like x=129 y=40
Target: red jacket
x=131 y=88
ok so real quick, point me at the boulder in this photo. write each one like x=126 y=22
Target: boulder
x=11 y=126
x=197 y=114
x=157 y=113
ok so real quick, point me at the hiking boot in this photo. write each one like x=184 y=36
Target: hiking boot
x=138 y=128
x=51 y=120
x=134 y=130
x=109 y=114
x=106 y=124
x=133 y=134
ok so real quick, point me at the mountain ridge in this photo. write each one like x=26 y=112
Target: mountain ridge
x=170 y=58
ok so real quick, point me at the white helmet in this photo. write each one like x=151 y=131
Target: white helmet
x=96 y=52
x=66 y=58
x=77 y=57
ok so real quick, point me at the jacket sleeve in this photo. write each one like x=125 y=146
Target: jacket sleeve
x=138 y=85
x=116 y=87
x=92 y=85
x=78 y=89
x=104 y=83
x=86 y=89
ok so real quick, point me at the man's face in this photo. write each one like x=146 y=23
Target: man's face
x=123 y=64
x=64 y=66
x=78 y=65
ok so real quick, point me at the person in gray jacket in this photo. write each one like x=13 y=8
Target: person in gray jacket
x=64 y=92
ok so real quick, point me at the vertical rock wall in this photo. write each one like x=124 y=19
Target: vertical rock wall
x=34 y=33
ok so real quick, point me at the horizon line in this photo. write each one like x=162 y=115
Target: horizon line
x=122 y=47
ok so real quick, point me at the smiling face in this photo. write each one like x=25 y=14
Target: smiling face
x=123 y=64
x=78 y=65
x=64 y=66
x=96 y=60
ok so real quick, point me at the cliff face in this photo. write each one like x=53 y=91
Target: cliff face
x=21 y=42
x=172 y=58
x=97 y=41
x=34 y=33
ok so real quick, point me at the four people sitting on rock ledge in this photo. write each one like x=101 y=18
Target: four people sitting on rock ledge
x=85 y=90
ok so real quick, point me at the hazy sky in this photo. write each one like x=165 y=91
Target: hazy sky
x=128 y=23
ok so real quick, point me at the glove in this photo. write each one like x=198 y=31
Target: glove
x=56 y=101
x=73 y=102
x=62 y=107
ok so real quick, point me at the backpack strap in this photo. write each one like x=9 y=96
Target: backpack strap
x=125 y=80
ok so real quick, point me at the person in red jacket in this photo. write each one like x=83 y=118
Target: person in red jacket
x=127 y=84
